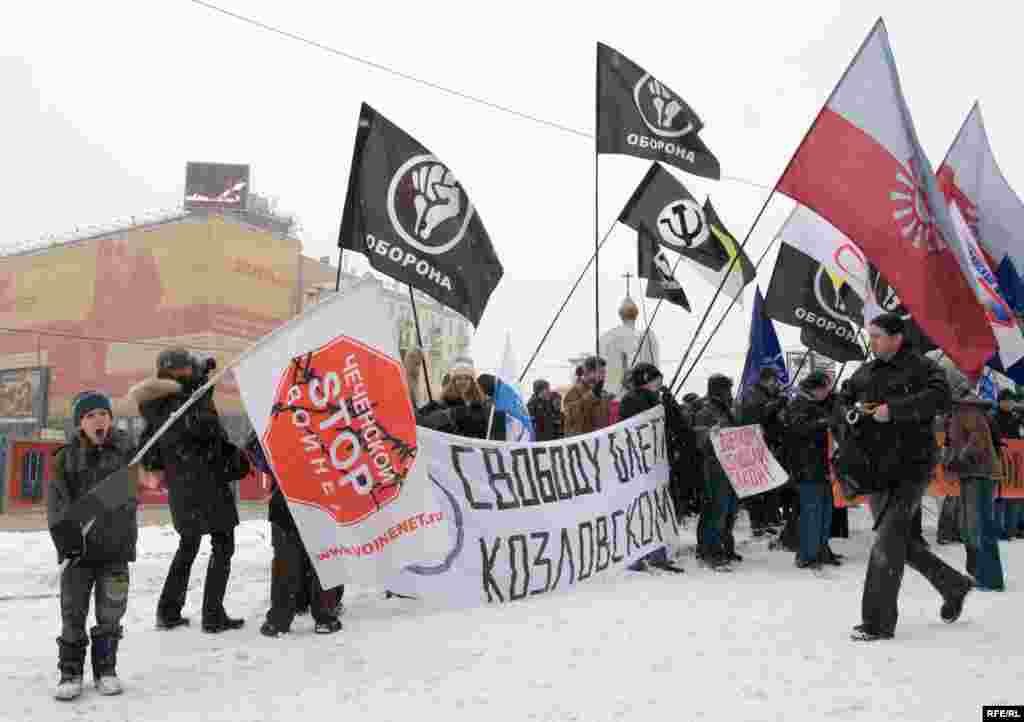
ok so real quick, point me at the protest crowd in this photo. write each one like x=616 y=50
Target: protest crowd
x=196 y=462
x=820 y=442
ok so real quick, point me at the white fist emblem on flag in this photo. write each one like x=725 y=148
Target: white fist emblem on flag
x=427 y=206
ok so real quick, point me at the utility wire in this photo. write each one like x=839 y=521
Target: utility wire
x=426 y=83
x=148 y=344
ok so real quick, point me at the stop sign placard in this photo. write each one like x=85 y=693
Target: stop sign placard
x=342 y=432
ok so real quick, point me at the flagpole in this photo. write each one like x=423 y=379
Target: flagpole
x=839 y=376
x=597 y=188
x=566 y=302
x=490 y=422
x=720 y=321
x=419 y=342
x=799 y=368
x=643 y=310
x=337 y=282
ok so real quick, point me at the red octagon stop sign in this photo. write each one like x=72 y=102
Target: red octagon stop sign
x=342 y=432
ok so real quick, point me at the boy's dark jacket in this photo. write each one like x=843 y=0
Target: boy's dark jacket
x=78 y=467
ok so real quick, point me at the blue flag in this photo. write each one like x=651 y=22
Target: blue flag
x=987 y=387
x=1011 y=285
x=518 y=424
x=764 y=348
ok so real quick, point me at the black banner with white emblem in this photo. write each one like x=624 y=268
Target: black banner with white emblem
x=663 y=208
x=654 y=265
x=414 y=222
x=802 y=293
x=639 y=115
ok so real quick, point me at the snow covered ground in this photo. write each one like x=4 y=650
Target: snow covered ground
x=767 y=642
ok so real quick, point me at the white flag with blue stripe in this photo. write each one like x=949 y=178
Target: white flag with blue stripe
x=518 y=424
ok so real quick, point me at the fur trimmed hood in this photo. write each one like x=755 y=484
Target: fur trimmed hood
x=153 y=388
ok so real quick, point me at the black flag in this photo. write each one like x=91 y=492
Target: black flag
x=414 y=222
x=640 y=116
x=654 y=265
x=663 y=208
x=803 y=293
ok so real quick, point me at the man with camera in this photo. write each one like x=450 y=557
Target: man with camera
x=198 y=465
x=890 y=406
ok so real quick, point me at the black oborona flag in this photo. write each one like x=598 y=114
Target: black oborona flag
x=639 y=115
x=802 y=293
x=654 y=265
x=413 y=220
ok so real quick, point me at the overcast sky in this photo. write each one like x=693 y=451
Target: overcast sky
x=106 y=101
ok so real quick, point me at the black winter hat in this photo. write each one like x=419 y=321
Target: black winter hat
x=540 y=386
x=891 y=323
x=487 y=383
x=89 y=401
x=719 y=382
x=593 y=363
x=173 y=358
x=644 y=373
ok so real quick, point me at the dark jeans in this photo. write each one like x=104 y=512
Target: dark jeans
x=718 y=518
x=764 y=510
x=815 y=518
x=977 y=520
x=77 y=584
x=897 y=545
x=172 y=598
x=1009 y=517
x=840 y=523
x=949 y=520
x=291 y=574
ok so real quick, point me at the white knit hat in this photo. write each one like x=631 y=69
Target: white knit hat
x=462 y=365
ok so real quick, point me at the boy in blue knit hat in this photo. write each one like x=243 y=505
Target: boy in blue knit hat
x=97 y=560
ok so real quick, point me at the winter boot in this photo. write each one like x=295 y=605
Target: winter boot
x=953 y=607
x=269 y=629
x=104 y=663
x=328 y=626
x=831 y=557
x=71 y=662
x=864 y=633
x=222 y=623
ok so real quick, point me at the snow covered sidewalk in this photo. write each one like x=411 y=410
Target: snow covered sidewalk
x=767 y=642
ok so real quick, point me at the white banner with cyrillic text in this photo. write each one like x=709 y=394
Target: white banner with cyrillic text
x=530 y=519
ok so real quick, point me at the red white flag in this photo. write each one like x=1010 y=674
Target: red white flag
x=862 y=168
x=986 y=288
x=970 y=176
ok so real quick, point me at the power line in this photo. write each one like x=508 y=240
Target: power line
x=76 y=337
x=426 y=83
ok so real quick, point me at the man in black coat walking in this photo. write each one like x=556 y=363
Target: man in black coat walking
x=900 y=393
x=198 y=465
